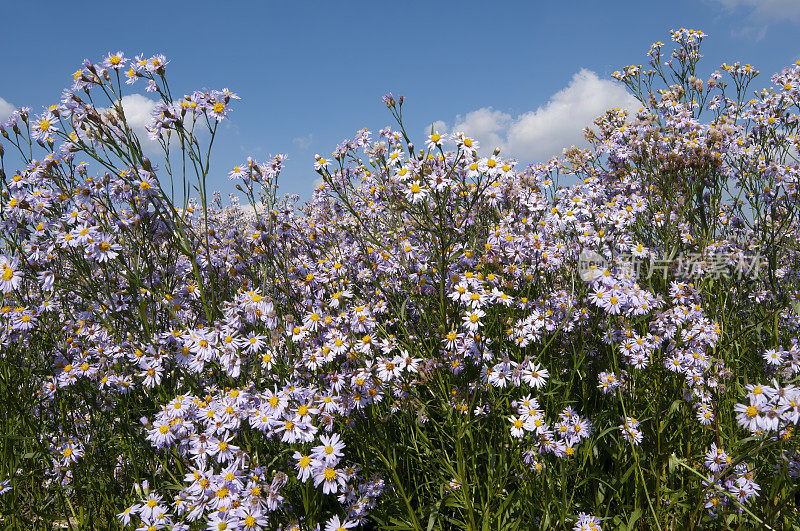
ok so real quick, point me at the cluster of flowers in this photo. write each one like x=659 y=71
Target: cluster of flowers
x=259 y=343
x=736 y=489
x=202 y=431
x=774 y=408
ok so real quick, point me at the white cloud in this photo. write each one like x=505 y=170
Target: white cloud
x=766 y=10
x=487 y=125
x=5 y=110
x=541 y=133
x=560 y=123
x=304 y=142
x=438 y=125
x=759 y=14
x=138 y=111
x=247 y=207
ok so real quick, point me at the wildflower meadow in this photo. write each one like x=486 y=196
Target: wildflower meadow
x=435 y=340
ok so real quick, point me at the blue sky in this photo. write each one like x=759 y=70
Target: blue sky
x=527 y=76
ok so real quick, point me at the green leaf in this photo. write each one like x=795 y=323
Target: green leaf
x=434 y=515
x=635 y=515
x=672 y=463
x=601 y=493
x=627 y=473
